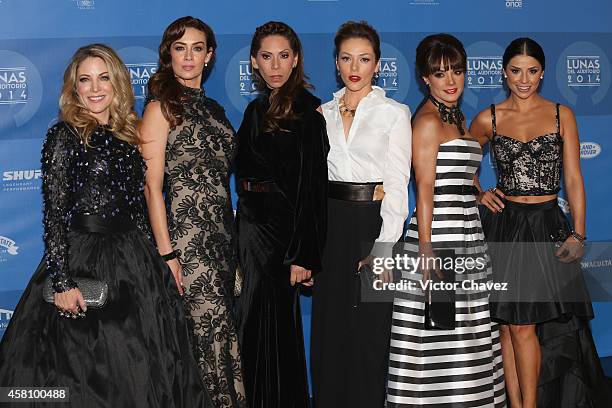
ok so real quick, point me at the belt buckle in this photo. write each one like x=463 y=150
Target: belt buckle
x=379 y=193
x=258 y=188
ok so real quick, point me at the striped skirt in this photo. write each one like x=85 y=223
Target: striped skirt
x=448 y=368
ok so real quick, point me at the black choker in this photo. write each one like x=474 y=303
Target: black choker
x=452 y=115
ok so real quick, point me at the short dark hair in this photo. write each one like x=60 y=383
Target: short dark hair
x=524 y=46
x=357 y=29
x=437 y=48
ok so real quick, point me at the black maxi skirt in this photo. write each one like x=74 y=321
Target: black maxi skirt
x=350 y=338
x=133 y=352
x=268 y=309
x=553 y=295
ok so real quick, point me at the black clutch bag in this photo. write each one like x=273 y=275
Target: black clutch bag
x=95 y=292
x=440 y=308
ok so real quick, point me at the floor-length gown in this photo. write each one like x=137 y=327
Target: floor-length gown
x=135 y=351
x=199 y=155
x=282 y=204
x=448 y=368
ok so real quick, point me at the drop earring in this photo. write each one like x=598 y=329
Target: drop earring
x=375 y=78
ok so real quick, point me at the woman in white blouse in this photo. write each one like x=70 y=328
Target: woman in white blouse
x=369 y=169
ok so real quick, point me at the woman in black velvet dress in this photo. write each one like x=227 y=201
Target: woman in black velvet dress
x=281 y=172
x=135 y=350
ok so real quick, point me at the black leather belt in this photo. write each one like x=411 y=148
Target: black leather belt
x=260 y=186
x=341 y=190
x=462 y=189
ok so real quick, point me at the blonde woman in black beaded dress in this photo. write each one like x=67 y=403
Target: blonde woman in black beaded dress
x=189 y=144
x=132 y=351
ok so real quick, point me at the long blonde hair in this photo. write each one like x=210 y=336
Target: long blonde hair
x=123 y=119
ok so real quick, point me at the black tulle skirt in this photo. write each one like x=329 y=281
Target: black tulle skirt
x=134 y=352
x=549 y=293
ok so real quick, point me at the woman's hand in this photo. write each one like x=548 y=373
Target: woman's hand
x=570 y=250
x=177 y=272
x=70 y=301
x=385 y=275
x=300 y=275
x=427 y=259
x=492 y=199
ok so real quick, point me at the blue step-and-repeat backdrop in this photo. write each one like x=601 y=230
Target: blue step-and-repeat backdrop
x=37 y=38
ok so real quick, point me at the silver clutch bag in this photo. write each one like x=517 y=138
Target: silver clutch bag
x=95 y=292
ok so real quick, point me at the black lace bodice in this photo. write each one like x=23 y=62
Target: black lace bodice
x=105 y=178
x=529 y=168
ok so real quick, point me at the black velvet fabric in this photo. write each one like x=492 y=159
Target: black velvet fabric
x=553 y=296
x=276 y=230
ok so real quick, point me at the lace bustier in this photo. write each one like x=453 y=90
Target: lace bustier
x=105 y=178
x=530 y=168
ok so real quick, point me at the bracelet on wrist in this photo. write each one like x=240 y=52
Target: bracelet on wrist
x=170 y=256
x=578 y=237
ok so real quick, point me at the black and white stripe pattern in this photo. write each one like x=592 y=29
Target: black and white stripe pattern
x=448 y=368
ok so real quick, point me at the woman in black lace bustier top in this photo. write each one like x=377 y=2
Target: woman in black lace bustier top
x=548 y=351
x=528 y=168
x=135 y=349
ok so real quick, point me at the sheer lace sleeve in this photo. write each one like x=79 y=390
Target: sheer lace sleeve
x=57 y=161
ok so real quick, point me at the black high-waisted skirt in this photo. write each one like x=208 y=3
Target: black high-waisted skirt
x=539 y=286
x=550 y=294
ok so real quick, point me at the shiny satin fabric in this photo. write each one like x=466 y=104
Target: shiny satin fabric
x=540 y=287
x=134 y=352
x=571 y=375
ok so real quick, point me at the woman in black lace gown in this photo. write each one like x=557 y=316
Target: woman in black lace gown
x=549 y=357
x=281 y=169
x=189 y=146
x=135 y=350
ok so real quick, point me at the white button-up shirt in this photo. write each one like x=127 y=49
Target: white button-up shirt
x=378 y=149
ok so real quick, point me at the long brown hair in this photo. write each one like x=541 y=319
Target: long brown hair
x=281 y=100
x=122 y=119
x=163 y=85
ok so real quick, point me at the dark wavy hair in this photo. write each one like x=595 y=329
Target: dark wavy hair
x=524 y=46
x=434 y=49
x=163 y=85
x=357 y=29
x=281 y=100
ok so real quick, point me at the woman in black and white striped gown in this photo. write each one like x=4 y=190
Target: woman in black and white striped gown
x=461 y=367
